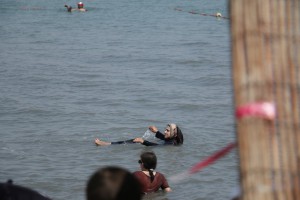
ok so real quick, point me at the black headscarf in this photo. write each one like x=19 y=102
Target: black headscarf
x=178 y=137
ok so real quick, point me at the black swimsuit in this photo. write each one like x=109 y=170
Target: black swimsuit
x=158 y=134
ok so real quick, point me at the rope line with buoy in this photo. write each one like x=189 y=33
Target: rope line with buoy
x=217 y=15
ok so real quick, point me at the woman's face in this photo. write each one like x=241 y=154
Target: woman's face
x=167 y=132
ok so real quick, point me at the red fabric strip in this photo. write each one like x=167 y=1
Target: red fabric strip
x=219 y=154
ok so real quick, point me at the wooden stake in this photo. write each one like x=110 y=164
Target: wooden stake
x=265 y=37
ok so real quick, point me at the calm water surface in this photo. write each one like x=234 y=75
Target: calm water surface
x=67 y=78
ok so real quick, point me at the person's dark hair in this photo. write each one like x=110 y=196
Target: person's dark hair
x=9 y=191
x=113 y=183
x=149 y=161
x=178 y=137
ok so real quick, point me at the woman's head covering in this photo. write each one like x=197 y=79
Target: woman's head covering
x=179 y=136
x=173 y=130
x=176 y=133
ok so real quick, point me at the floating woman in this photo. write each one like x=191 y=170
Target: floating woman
x=172 y=136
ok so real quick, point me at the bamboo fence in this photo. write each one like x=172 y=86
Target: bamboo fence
x=265 y=36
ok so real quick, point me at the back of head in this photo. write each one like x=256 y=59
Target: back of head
x=9 y=191
x=149 y=160
x=113 y=183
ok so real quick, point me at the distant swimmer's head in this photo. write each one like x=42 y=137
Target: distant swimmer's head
x=218 y=14
x=80 y=5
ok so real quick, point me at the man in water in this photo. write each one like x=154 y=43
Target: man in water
x=79 y=8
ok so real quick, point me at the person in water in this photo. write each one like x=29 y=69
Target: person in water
x=150 y=180
x=172 y=136
x=79 y=8
x=113 y=183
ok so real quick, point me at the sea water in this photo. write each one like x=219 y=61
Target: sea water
x=109 y=73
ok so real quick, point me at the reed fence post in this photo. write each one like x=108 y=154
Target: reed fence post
x=265 y=38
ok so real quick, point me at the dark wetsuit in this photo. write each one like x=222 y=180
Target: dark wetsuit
x=158 y=134
x=147 y=186
x=161 y=136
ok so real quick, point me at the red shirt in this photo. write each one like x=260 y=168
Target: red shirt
x=147 y=186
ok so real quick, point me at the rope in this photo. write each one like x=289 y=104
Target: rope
x=217 y=15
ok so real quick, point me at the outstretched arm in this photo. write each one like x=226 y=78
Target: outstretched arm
x=144 y=142
x=157 y=133
x=103 y=143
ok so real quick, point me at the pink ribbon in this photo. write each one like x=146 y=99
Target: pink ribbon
x=264 y=110
x=219 y=154
x=202 y=164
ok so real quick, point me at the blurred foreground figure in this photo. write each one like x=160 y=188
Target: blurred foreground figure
x=9 y=191
x=113 y=183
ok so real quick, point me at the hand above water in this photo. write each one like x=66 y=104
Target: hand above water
x=138 y=140
x=101 y=143
x=153 y=129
